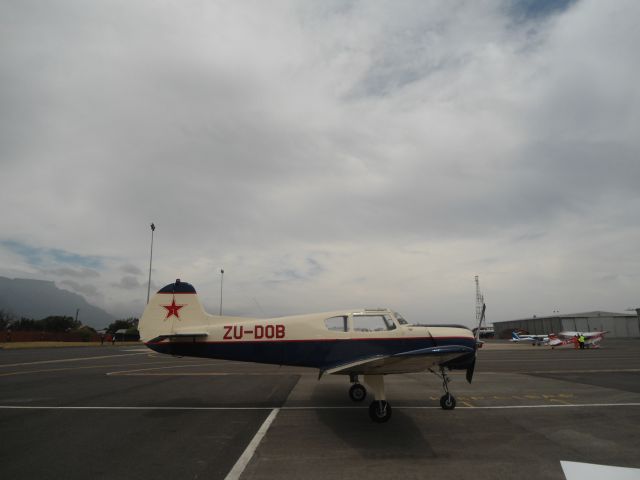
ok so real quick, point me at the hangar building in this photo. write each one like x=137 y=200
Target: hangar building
x=618 y=325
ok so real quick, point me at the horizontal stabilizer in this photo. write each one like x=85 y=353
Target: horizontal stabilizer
x=160 y=338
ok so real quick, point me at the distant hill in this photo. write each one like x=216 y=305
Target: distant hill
x=38 y=299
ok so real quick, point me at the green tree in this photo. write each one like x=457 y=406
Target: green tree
x=25 y=324
x=6 y=319
x=123 y=324
x=59 y=324
x=85 y=332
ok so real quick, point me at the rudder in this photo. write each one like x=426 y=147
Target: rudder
x=175 y=306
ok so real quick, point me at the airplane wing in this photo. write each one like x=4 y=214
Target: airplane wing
x=540 y=337
x=404 y=362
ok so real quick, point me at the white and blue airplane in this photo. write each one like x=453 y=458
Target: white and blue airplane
x=367 y=343
x=532 y=339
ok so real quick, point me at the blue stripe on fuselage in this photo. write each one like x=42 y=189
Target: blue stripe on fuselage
x=308 y=353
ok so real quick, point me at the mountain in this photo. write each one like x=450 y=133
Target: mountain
x=38 y=299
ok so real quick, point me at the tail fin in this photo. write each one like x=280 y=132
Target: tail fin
x=175 y=307
x=515 y=336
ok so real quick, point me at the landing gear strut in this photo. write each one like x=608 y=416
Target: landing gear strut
x=447 y=401
x=379 y=410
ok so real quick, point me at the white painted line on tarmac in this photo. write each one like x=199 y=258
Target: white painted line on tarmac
x=246 y=456
x=107 y=408
x=142 y=372
x=193 y=374
x=132 y=372
x=316 y=407
x=66 y=369
x=77 y=359
x=508 y=407
x=608 y=370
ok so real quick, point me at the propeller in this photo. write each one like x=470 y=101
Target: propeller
x=469 y=375
x=484 y=308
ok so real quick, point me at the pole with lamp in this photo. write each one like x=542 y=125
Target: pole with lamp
x=153 y=228
x=221 y=281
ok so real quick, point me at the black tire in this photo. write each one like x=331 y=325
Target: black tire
x=380 y=411
x=448 y=402
x=357 y=392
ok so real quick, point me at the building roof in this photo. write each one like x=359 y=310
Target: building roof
x=593 y=314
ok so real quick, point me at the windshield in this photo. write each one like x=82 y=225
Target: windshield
x=400 y=319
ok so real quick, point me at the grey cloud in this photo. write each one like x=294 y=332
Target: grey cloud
x=131 y=269
x=128 y=282
x=83 y=288
x=270 y=133
x=71 y=272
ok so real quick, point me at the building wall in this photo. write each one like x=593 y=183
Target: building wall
x=617 y=327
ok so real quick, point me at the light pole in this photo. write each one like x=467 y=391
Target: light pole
x=221 y=280
x=153 y=228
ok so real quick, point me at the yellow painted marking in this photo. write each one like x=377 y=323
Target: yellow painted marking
x=559 y=401
x=467 y=404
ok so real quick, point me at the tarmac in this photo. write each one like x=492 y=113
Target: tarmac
x=121 y=412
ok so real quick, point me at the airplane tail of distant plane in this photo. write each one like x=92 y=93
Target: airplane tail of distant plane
x=515 y=337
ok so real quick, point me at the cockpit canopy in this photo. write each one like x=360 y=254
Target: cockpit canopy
x=368 y=320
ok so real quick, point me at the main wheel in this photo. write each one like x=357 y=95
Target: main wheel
x=448 y=402
x=357 y=392
x=380 y=411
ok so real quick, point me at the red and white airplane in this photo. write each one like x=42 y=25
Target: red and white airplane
x=591 y=339
x=367 y=343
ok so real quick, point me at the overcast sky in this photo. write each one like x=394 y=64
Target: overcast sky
x=325 y=154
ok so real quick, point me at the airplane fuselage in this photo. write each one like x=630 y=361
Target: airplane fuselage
x=310 y=340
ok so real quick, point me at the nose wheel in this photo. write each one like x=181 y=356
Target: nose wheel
x=447 y=401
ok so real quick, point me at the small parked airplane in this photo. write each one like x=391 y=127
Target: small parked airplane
x=360 y=342
x=591 y=339
x=533 y=339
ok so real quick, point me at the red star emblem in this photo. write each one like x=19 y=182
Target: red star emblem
x=172 y=309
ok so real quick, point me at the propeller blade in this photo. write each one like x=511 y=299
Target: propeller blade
x=470 y=370
x=484 y=308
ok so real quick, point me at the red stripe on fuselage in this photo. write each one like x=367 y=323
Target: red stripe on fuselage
x=433 y=339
